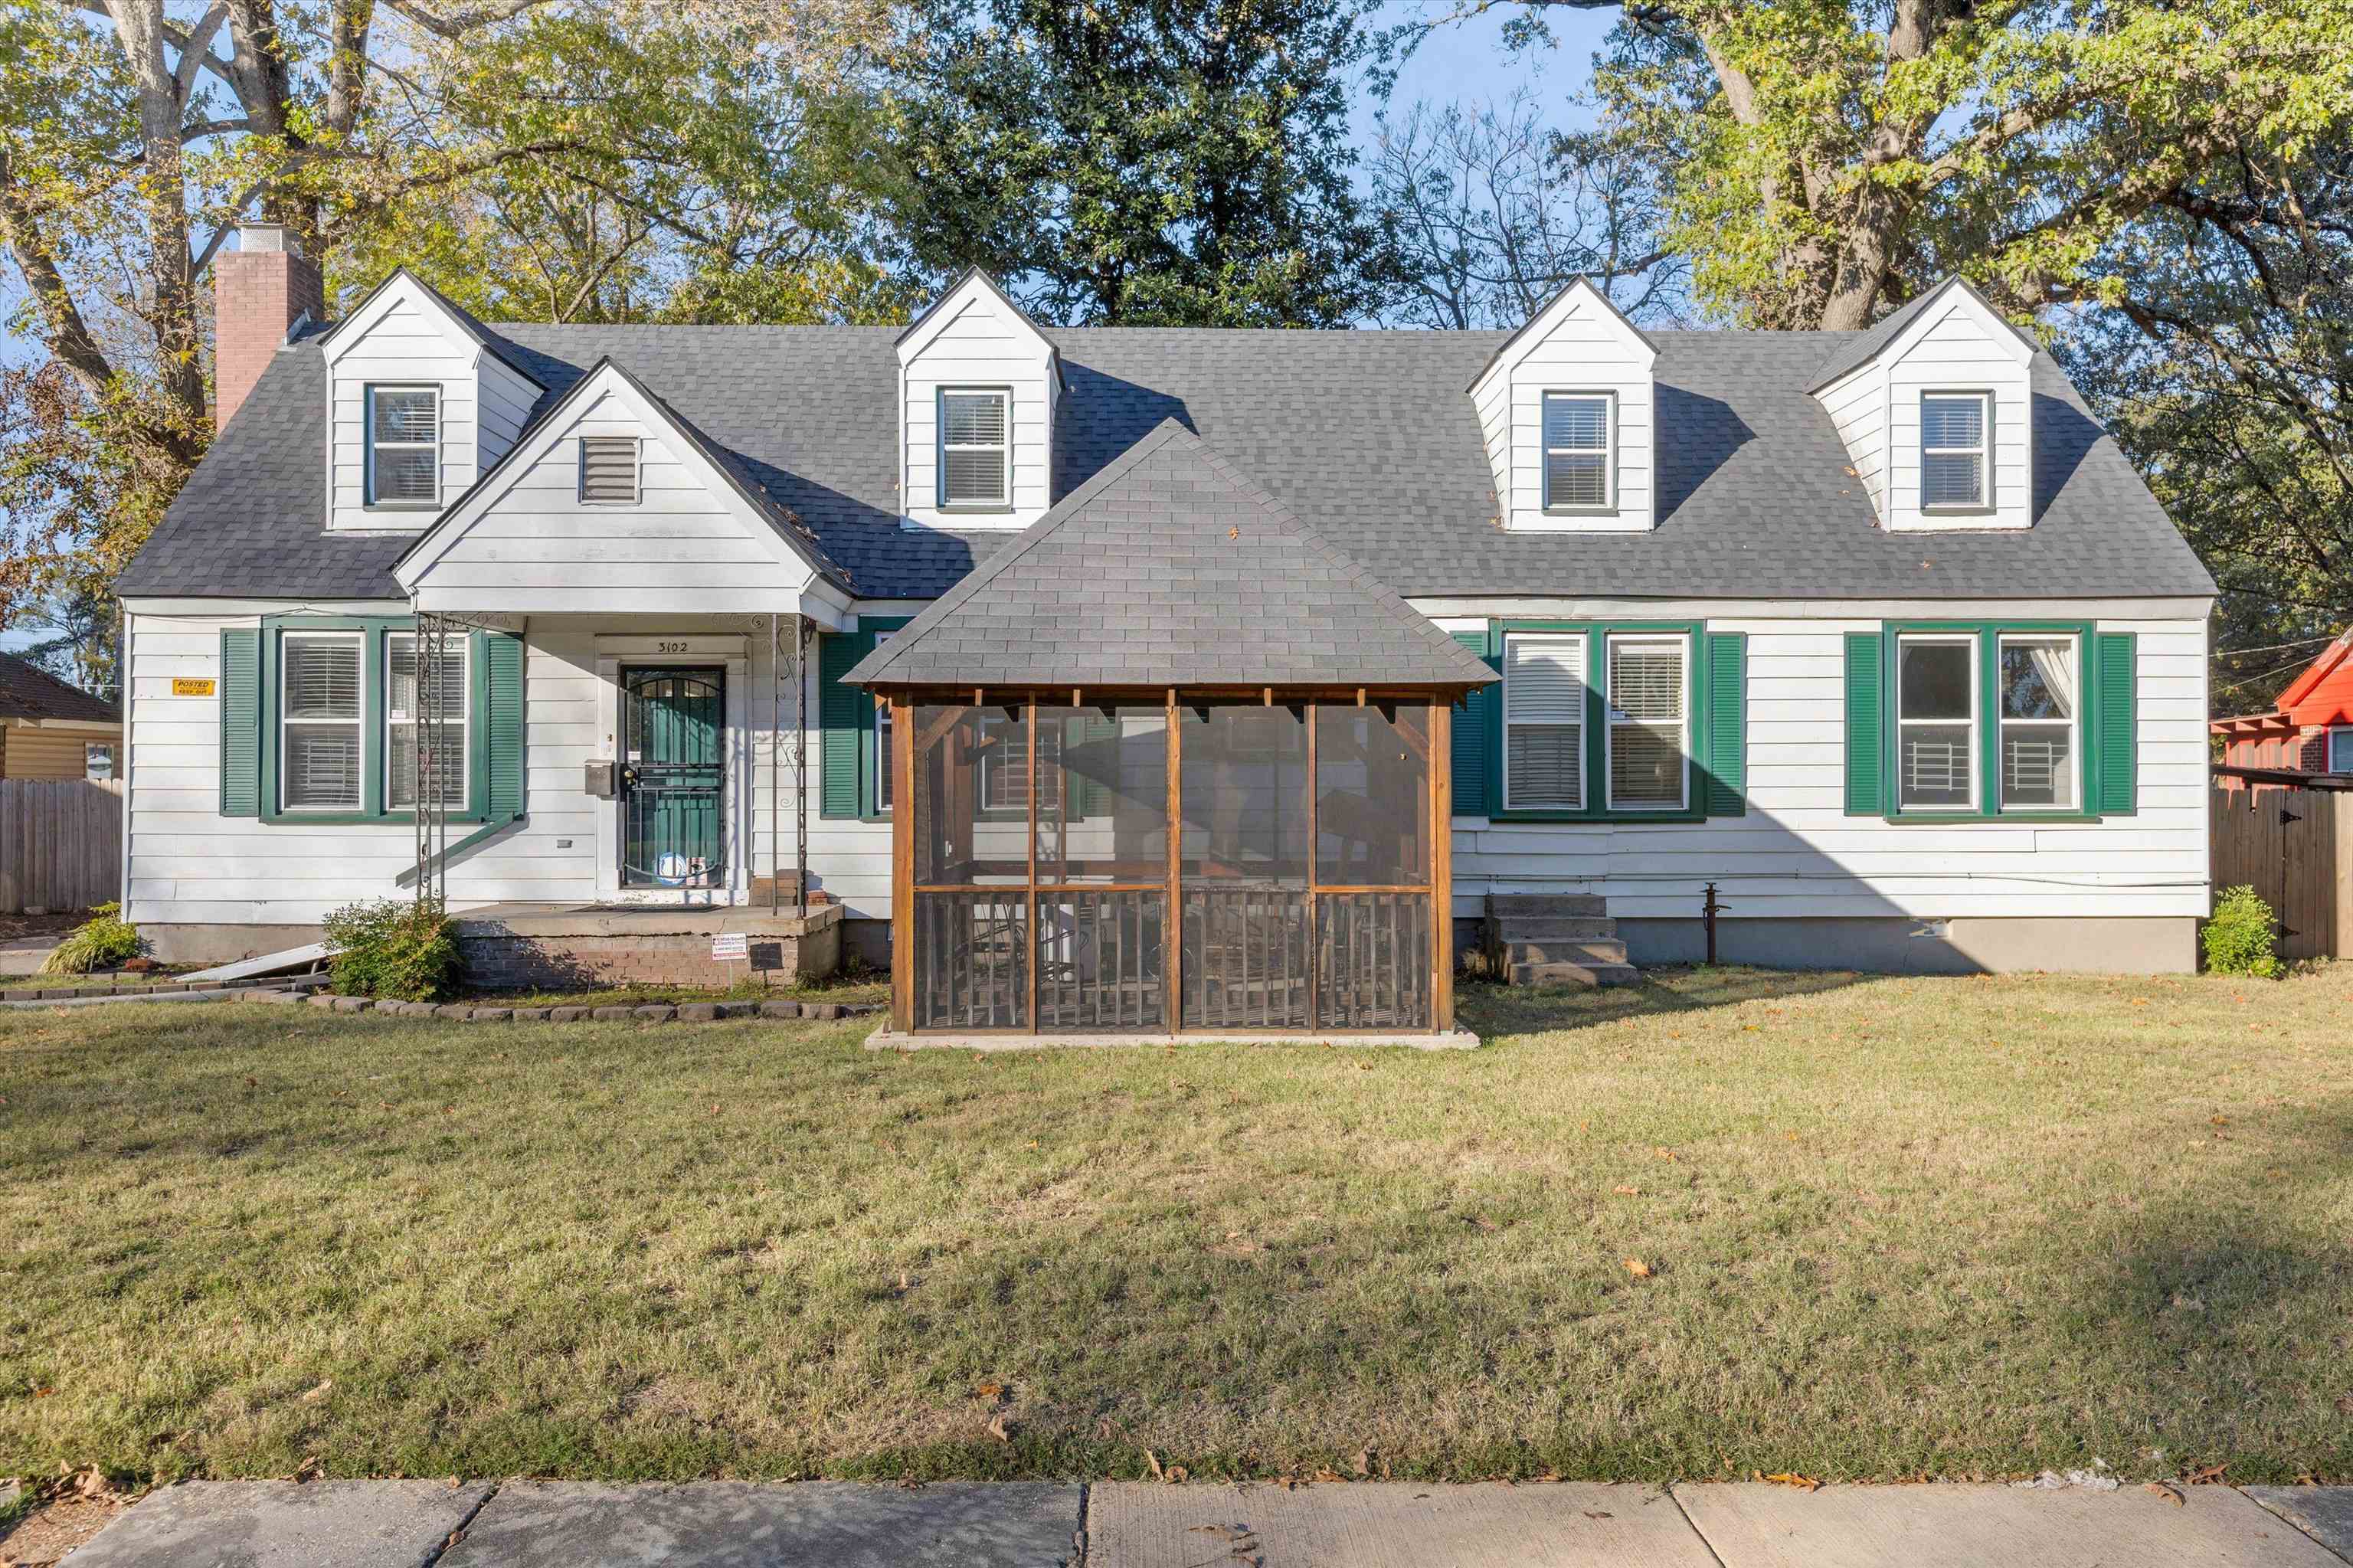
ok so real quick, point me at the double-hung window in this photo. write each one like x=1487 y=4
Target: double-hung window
x=975 y=448
x=1004 y=768
x=2040 y=688
x=404 y=454
x=1936 y=722
x=1579 y=437
x=322 y=686
x=882 y=770
x=1649 y=723
x=1543 y=721
x=2340 y=750
x=426 y=710
x=1953 y=468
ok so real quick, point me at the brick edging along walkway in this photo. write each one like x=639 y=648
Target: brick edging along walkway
x=644 y=1012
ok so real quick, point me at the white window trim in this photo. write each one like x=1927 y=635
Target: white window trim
x=1974 y=722
x=1545 y=449
x=636 y=471
x=1611 y=723
x=465 y=655
x=941 y=447
x=357 y=722
x=370 y=445
x=1982 y=451
x=2074 y=726
x=1583 y=662
x=990 y=777
x=2336 y=733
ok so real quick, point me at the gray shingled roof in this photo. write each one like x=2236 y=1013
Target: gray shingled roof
x=29 y=691
x=1168 y=568
x=1366 y=436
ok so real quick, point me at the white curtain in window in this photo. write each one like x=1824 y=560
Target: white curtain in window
x=2055 y=663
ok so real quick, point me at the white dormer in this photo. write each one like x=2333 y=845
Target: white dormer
x=419 y=402
x=1566 y=408
x=1936 y=405
x=978 y=386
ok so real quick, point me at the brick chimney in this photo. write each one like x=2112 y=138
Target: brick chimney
x=260 y=289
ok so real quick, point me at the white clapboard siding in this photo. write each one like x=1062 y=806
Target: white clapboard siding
x=1577 y=344
x=979 y=344
x=1959 y=353
x=1796 y=853
x=1857 y=404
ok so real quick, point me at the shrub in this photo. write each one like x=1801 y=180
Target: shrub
x=387 y=948
x=101 y=942
x=2239 y=937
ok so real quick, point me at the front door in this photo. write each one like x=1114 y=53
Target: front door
x=673 y=774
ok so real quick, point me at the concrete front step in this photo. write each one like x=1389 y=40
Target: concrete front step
x=1566 y=973
x=1554 y=928
x=1577 y=951
x=1508 y=905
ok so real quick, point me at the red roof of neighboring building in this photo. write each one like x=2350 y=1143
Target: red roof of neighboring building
x=2323 y=693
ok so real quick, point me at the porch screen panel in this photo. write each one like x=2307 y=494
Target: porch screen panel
x=972 y=793
x=1372 y=796
x=972 y=964
x=1102 y=867
x=1243 y=860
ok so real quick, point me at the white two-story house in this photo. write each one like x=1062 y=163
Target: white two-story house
x=1877 y=633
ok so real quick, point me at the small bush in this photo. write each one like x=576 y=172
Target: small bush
x=101 y=942
x=2239 y=937
x=387 y=948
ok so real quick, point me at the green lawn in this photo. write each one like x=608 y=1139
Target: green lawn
x=1893 y=1227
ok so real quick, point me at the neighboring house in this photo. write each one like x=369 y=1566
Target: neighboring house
x=2308 y=734
x=49 y=729
x=1876 y=631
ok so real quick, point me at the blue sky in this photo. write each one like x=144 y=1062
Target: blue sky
x=1463 y=61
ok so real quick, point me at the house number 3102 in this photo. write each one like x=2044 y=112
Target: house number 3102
x=670 y=647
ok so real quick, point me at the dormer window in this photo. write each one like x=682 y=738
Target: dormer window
x=404 y=458
x=975 y=440
x=1579 y=433
x=1953 y=426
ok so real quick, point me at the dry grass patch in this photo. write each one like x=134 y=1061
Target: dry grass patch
x=1892 y=1226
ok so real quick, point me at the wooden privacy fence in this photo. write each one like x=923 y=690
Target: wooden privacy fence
x=2296 y=848
x=60 y=843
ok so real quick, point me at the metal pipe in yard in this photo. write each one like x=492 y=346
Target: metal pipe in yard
x=1708 y=910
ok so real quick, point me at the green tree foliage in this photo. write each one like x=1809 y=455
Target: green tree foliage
x=547 y=159
x=1141 y=161
x=1827 y=158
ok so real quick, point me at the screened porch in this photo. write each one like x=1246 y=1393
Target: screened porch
x=1177 y=863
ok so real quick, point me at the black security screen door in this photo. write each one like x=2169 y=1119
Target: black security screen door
x=673 y=778
x=1041 y=878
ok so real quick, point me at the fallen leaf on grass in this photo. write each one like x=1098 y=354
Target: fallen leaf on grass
x=1482 y=1221
x=1177 y=1473
x=1328 y=1476
x=2167 y=1493
x=313 y=1395
x=1666 y=1154
x=2208 y=1475
x=1153 y=1460
x=1625 y=1191
x=1364 y=1464
x=1637 y=1268
x=996 y=1428
x=988 y=1391
x=1791 y=1478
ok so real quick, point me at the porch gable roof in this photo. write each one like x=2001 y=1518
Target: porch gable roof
x=1169 y=569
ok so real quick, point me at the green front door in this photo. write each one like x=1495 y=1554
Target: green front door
x=673 y=774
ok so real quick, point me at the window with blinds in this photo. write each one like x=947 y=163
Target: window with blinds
x=1543 y=721
x=976 y=456
x=320 y=683
x=404 y=456
x=429 y=712
x=1953 y=449
x=1576 y=451
x=1649 y=723
x=608 y=470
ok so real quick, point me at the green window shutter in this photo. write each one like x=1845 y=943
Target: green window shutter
x=1727 y=792
x=1469 y=734
x=2115 y=759
x=845 y=714
x=1866 y=719
x=240 y=724
x=1091 y=796
x=503 y=722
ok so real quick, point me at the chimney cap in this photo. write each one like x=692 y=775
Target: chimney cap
x=255 y=235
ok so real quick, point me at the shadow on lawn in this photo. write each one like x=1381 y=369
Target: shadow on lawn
x=1492 y=1010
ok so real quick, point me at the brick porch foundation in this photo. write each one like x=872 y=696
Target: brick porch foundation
x=539 y=947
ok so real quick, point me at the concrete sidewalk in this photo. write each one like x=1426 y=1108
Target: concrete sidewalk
x=724 y=1525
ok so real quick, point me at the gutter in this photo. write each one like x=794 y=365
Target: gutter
x=495 y=826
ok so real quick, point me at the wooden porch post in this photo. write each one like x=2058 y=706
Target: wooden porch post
x=1442 y=864
x=903 y=864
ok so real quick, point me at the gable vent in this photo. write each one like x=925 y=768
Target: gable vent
x=608 y=468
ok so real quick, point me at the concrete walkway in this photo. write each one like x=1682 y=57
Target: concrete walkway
x=725 y=1524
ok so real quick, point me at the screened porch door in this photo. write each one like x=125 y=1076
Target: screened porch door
x=1051 y=844
x=672 y=782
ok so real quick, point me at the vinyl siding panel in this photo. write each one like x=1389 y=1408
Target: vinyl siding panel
x=1956 y=354
x=410 y=345
x=980 y=347
x=1582 y=351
